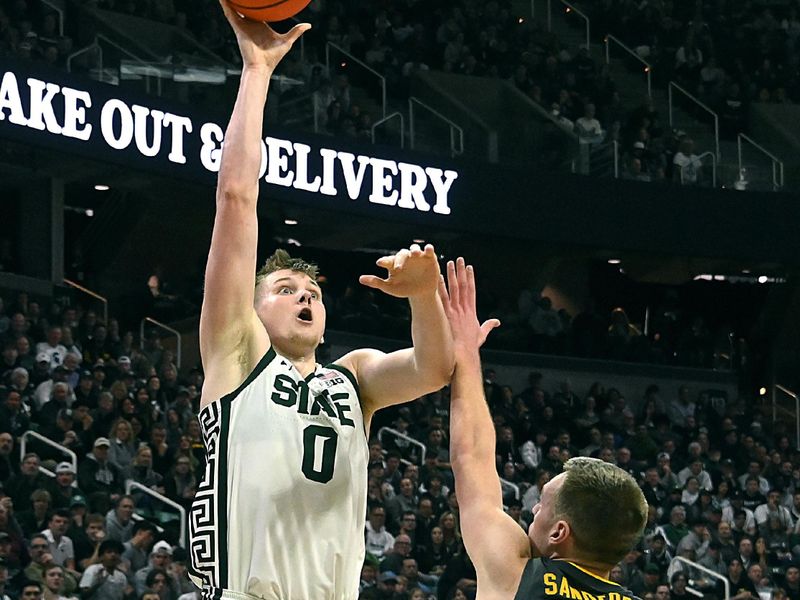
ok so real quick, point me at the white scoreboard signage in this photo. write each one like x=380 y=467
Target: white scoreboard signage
x=79 y=115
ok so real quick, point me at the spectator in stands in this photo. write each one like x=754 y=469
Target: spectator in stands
x=687 y=165
x=14 y=419
x=87 y=543
x=36 y=519
x=54 y=583
x=588 y=128
x=56 y=352
x=402 y=549
x=104 y=580
x=41 y=559
x=98 y=477
x=163 y=453
x=31 y=590
x=160 y=558
x=63 y=489
x=378 y=540
x=771 y=509
x=137 y=549
x=20 y=486
x=404 y=502
x=119 y=520
x=60 y=545
x=123 y=447
x=181 y=484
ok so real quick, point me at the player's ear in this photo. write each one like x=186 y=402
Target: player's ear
x=560 y=533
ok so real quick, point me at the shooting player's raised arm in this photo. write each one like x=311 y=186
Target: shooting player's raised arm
x=232 y=338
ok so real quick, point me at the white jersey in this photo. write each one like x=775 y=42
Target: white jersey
x=280 y=513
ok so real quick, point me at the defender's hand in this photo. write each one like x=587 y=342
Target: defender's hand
x=412 y=272
x=458 y=299
x=259 y=44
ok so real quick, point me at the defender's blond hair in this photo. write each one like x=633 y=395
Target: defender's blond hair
x=604 y=506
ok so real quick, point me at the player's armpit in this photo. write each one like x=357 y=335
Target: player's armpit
x=497 y=546
x=388 y=379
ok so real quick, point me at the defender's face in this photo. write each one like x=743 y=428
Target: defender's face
x=289 y=304
x=544 y=517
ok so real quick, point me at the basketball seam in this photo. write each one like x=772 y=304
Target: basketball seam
x=262 y=7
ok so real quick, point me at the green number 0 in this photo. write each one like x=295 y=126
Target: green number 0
x=329 y=441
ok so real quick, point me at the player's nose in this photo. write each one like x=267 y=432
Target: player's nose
x=305 y=297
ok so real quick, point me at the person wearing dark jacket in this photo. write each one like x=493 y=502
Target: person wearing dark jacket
x=99 y=478
x=28 y=480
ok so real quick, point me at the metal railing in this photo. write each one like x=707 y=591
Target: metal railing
x=150 y=70
x=648 y=68
x=386 y=119
x=94 y=295
x=454 y=150
x=380 y=77
x=714 y=575
x=713 y=167
x=779 y=388
x=60 y=13
x=674 y=85
x=777 y=163
x=131 y=484
x=23 y=442
x=512 y=486
x=569 y=8
x=405 y=437
x=167 y=328
x=616 y=158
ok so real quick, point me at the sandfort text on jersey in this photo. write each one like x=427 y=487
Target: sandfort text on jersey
x=556 y=584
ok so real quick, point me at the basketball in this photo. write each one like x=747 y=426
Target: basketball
x=268 y=10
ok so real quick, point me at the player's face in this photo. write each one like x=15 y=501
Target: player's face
x=544 y=518
x=289 y=304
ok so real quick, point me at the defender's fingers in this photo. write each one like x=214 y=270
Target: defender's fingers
x=461 y=274
x=470 y=292
x=444 y=295
x=452 y=283
x=415 y=250
x=429 y=250
x=487 y=327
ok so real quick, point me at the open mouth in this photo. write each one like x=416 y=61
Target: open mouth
x=305 y=315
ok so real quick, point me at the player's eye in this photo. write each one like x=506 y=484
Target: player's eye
x=314 y=296
x=285 y=290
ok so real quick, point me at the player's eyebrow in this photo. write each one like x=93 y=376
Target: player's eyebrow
x=291 y=279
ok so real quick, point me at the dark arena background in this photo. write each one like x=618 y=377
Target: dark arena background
x=623 y=175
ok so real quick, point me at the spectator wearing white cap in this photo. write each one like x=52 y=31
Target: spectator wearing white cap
x=63 y=488
x=160 y=558
x=99 y=478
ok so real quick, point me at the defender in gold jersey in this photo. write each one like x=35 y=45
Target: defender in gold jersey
x=588 y=517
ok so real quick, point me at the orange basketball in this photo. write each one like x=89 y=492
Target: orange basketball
x=268 y=10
